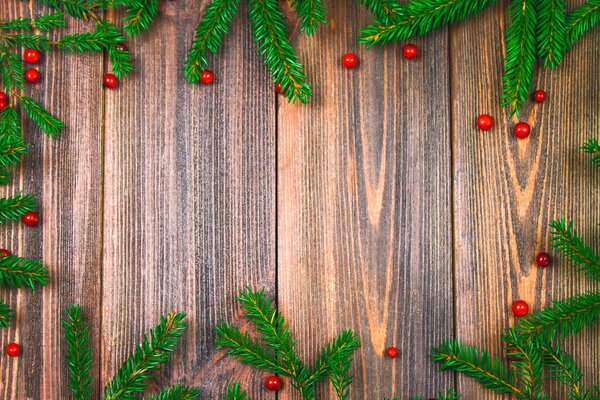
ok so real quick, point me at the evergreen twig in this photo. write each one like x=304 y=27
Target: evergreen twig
x=79 y=353
x=13 y=208
x=48 y=124
x=581 y=20
x=312 y=13
x=592 y=147
x=7 y=315
x=235 y=392
x=552 y=32
x=528 y=360
x=18 y=272
x=177 y=392
x=562 y=368
x=566 y=240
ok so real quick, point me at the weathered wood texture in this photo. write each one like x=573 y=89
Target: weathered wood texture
x=189 y=195
x=364 y=206
x=65 y=174
x=507 y=191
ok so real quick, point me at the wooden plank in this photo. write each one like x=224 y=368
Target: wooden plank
x=364 y=206
x=189 y=196
x=65 y=174
x=507 y=190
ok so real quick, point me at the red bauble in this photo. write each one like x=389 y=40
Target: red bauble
x=543 y=259
x=13 y=350
x=349 y=60
x=110 y=81
x=510 y=355
x=520 y=308
x=273 y=383
x=392 y=352
x=410 y=51
x=31 y=218
x=32 y=75
x=522 y=130
x=3 y=104
x=3 y=96
x=4 y=253
x=539 y=96
x=207 y=77
x=32 y=56
x=485 y=122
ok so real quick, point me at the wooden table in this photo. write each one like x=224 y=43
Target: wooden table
x=378 y=207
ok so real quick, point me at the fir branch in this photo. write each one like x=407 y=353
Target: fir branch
x=44 y=23
x=5 y=176
x=140 y=14
x=7 y=315
x=234 y=392
x=11 y=71
x=384 y=10
x=491 y=373
x=103 y=38
x=565 y=239
x=521 y=54
x=269 y=29
x=79 y=353
x=312 y=13
x=177 y=392
x=581 y=20
x=119 y=57
x=552 y=32
x=418 y=17
x=33 y=41
x=247 y=350
x=131 y=377
x=13 y=208
x=48 y=124
x=562 y=368
x=449 y=395
x=18 y=272
x=82 y=9
x=340 y=351
x=209 y=36
x=12 y=148
x=565 y=317
x=528 y=360
x=593 y=148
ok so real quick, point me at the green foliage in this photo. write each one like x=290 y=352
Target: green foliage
x=528 y=361
x=177 y=392
x=139 y=15
x=18 y=272
x=581 y=20
x=7 y=315
x=44 y=23
x=562 y=368
x=234 y=392
x=593 y=148
x=312 y=13
x=383 y=10
x=274 y=351
x=43 y=119
x=13 y=208
x=79 y=353
x=579 y=254
x=552 y=32
x=449 y=395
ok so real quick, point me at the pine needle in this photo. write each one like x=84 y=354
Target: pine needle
x=449 y=395
x=234 y=392
x=581 y=20
x=177 y=392
x=562 y=368
x=48 y=124
x=565 y=239
x=383 y=10
x=593 y=148
x=312 y=13
x=18 y=272
x=13 y=208
x=79 y=353
x=140 y=13
x=7 y=315
x=528 y=361
x=552 y=32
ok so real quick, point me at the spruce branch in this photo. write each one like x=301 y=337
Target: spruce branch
x=7 y=315
x=12 y=146
x=564 y=317
x=147 y=357
x=581 y=20
x=119 y=57
x=521 y=52
x=209 y=36
x=82 y=9
x=528 y=360
x=592 y=147
x=235 y=392
x=489 y=372
x=177 y=392
x=11 y=71
x=44 y=23
x=18 y=272
x=79 y=354
x=383 y=10
x=562 y=368
x=339 y=351
x=565 y=239
x=418 y=17
x=48 y=124
x=552 y=32
x=312 y=13
x=13 y=208
x=269 y=29
x=140 y=14
x=4 y=176
x=449 y=395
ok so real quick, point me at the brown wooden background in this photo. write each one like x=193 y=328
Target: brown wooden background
x=379 y=207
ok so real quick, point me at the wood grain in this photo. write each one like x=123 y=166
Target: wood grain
x=364 y=206
x=507 y=190
x=189 y=196
x=65 y=174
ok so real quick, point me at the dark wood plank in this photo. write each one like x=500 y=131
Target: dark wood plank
x=189 y=196
x=507 y=191
x=65 y=174
x=364 y=206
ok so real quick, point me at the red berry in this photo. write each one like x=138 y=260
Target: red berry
x=32 y=75
x=13 y=350
x=273 y=383
x=32 y=56
x=520 y=308
x=392 y=352
x=3 y=96
x=279 y=90
x=485 y=122
x=4 y=253
x=349 y=60
x=31 y=218
x=510 y=355
x=121 y=46
x=543 y=259
x=522 y=130
x=110 y=81
x=207 y=77
x=3 y=104
x=410 y=51
x=539 y=96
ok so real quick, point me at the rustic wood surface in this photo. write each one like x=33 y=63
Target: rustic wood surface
x=378 y=207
